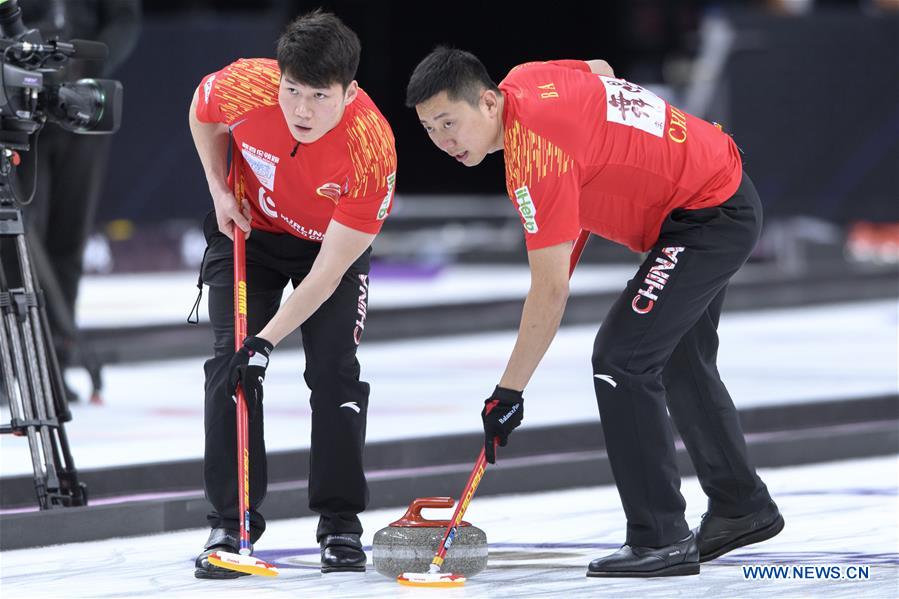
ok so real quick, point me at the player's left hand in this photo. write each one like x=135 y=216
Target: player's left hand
x=502 y=413
x=247 y=367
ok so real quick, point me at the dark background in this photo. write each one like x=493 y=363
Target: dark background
x=813 y=100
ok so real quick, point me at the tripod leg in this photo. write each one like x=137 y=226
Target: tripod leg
x=17 y=401
x=37 y=360
x=59 y=403
x=73 y=492
x=12 y=363
x=26 y=360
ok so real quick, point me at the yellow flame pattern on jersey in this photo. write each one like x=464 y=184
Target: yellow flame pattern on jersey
x=245 y=85
x=529 y=157
x=372 y=152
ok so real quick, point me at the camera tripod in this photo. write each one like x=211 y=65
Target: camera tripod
x=31 y=376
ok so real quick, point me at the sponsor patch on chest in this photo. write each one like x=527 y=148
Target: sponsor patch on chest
x=262 y=163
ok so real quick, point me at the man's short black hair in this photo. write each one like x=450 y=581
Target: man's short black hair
x=318 y=50
x=457 y=72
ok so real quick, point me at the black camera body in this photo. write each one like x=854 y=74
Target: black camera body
x=33 y=89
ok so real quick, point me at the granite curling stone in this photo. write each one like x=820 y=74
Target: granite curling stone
x=409 y=544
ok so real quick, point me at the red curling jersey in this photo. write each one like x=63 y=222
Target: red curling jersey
x=348 y=174
x=584 y=151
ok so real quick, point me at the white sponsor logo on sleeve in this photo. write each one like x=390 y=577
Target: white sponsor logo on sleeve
x=385 y=205
x=527 y=209
x=207 y=89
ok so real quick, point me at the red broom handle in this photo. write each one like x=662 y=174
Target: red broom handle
x=577 y=249
x=478 y=472
x=470 y=487
x=240 y=333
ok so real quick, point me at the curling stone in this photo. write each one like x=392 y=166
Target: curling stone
x=409 y=544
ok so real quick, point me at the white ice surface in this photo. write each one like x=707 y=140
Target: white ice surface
x=165 y=298
x=838 y=514
x=154 y=411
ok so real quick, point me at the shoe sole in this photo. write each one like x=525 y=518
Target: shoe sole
x=330 y=569
x=678 y=570
x=762 y=534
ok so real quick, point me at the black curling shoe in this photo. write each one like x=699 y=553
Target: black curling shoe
x=220 y=539
x=679 y=559
x=342 y=553
x=717 y=535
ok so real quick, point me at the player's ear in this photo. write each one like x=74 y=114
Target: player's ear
x=352 y=90
x=490 y=102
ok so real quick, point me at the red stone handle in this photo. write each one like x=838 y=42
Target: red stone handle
x=413 y=514
x=413 y=517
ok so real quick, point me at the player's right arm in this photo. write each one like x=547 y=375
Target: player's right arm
x=211 y=140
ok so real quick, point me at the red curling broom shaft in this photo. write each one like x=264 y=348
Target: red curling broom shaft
x=478 y=472
x=240 y=333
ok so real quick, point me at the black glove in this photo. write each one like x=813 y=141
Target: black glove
x=502 y=413
x=247 y=367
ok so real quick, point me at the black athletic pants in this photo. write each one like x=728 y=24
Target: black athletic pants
x=658 y=347
x=337 y=487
